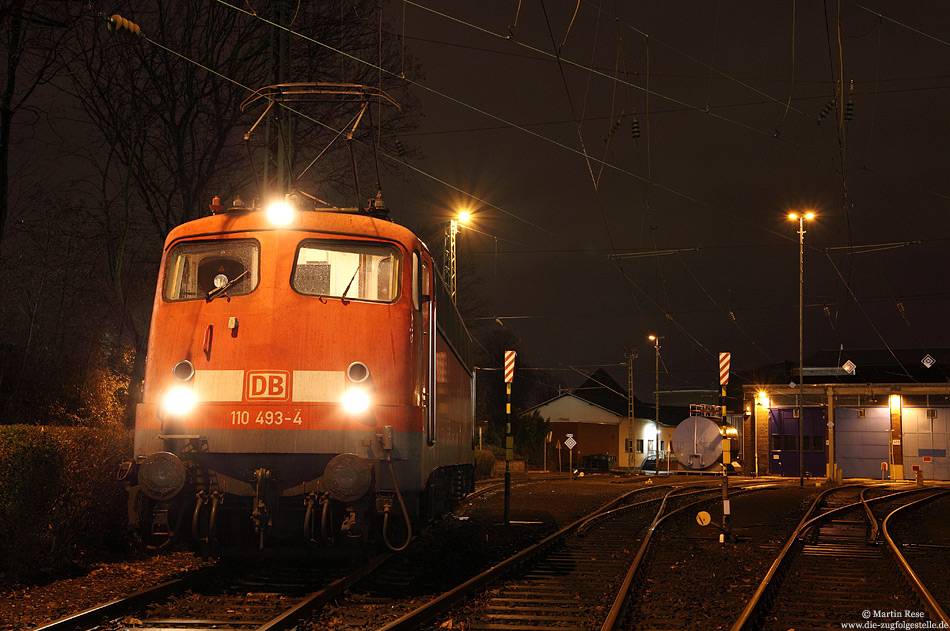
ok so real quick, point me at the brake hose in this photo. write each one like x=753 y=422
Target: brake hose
x=405 y=512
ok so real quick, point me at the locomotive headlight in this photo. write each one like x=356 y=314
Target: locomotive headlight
x=280 y=213
x=179 y=401
x=357 y=397
x=161 y=475
x=356 y=400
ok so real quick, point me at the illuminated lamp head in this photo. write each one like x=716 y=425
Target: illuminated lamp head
x=357 y=398
x=178 y=401
x=280 y=213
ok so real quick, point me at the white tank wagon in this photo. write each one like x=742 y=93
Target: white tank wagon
x=700 y=443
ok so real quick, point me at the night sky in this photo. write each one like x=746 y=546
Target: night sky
x=529 y=119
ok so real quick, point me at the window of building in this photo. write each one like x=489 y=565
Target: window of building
x=639 y=445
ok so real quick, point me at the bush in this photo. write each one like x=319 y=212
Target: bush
x=484 y=462
x=59 y=497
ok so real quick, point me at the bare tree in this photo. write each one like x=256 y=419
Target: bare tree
x=31 y=33
x=162 y=129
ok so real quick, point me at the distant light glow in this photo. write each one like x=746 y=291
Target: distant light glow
x=280 y=213
x=464 y=216
x=795 y=216
x=895 y=401
x=762 y=399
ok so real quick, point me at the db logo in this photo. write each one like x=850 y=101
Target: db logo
x=267 y=385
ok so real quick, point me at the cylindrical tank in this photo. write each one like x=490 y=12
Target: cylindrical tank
x=697 y=442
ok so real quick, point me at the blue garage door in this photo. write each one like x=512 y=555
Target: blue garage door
x=783 y=441
x=861 y=442
x=926 y=438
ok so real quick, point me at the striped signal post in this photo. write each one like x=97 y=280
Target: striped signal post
x=724 y=361
x=509 y=439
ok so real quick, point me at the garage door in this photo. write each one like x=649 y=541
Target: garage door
x=926 y=438
x=861 y=441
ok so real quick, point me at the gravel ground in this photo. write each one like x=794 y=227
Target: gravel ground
x=28 y=606
x=687 y=555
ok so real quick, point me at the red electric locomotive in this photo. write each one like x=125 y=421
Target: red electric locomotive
x=308 y=380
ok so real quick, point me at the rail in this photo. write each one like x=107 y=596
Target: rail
x=760 y=598
x=423 y=614
x=618 y=608
x=933 y=607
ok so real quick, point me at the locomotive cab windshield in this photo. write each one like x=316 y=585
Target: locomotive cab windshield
x=362 y=271
x=197 y=270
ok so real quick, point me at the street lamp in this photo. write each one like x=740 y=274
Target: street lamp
x=656 y=371
x=801 y=217
x=450 y=267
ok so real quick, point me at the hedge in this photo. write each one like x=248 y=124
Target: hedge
x=59 y=497
x=484 y=463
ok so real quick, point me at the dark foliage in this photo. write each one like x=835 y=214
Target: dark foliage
x=59 y=497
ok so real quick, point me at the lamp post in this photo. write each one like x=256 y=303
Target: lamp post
x=450 y=267
x=656 y=371
x=801 y=217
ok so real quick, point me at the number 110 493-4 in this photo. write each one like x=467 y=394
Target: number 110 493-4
x=266 y=418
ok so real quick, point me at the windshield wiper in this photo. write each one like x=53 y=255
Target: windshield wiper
x=349 y=284
x=222 y=290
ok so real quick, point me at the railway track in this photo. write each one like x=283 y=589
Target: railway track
x=575 y=579
x=270 y=596
x=831 y=570
x=921 y=532
x=267 y=596
x=581 y=577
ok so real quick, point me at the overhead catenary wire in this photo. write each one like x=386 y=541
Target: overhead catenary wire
x=528 y=131
x=881 y=16
x=869 y=319
x=328 y=127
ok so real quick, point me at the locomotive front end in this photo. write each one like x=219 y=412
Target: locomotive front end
x=288 y=385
